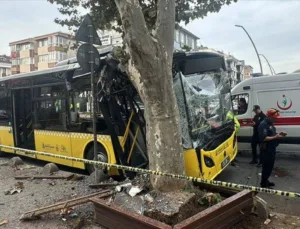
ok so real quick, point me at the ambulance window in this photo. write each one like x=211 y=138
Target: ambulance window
x=240 y=103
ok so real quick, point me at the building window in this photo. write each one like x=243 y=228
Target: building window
x=15 y=61
x=50 y=41
x=57 y=40
x=57 y=56
x=43 y=43
x=26 y=60
x=43 y=58
x=182 y=38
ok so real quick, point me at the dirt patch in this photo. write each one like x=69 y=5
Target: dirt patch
x=40 y=193
x=170 y=208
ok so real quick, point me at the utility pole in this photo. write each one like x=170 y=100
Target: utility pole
x=89 y=60
x=261 y=69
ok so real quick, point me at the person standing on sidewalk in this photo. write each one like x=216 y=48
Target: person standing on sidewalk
x=269 y=141
x=258 y=118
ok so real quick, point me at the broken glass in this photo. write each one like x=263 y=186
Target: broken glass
x=202 y=104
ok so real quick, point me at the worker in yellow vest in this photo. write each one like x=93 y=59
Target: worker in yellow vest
x=231 y=116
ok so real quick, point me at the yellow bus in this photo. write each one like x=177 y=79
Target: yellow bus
x=50 y=111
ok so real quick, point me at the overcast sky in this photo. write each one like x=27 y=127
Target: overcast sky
x=273 y=25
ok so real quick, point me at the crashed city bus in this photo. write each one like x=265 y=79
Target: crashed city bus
x=50 y=111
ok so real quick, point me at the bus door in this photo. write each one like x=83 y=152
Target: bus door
x=23 y=118
x=6 y=134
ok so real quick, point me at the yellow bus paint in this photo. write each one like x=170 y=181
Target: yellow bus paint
x=55 y=142
x=7 y=138
x=71 y=144
x=192 y=167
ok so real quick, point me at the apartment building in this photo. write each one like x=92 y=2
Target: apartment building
x=5 y=66
x=183 y=37
x=40 y=52
x=235 y=69
x=110 y=38
x=248 y=71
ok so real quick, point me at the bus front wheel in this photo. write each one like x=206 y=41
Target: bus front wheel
x=102 y=156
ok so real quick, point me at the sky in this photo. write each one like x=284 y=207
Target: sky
x=272 y=24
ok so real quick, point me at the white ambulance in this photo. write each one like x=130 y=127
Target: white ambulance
x=279 y=91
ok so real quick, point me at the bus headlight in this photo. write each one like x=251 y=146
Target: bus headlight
x=208 y=162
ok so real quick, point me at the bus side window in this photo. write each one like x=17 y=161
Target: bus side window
x=50 y=108
x=240 y=103
x=5 y=108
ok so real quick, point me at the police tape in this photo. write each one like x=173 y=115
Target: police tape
x=158 y=173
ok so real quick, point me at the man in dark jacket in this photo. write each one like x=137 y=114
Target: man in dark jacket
x=269 y=141
x=258 y=118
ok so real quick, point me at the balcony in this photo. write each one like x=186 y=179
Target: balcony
x=51 y=65
x=15 y=54
x=15 y=68
x=27 y=68
x=27 y=53
x=58 y=48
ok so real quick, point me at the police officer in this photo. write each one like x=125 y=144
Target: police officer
x=269 y=142
x=257 y=119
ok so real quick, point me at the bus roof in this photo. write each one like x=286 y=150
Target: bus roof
x=198 y=62
x=41 y=72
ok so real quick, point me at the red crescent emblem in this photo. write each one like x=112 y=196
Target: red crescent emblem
x=285 y=108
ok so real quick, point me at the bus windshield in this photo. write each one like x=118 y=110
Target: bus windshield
x=202 y=104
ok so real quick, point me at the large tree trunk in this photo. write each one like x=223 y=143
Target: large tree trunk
x=150 y=68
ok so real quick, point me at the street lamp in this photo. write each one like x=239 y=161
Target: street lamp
x=271 y=68
x=261 y=69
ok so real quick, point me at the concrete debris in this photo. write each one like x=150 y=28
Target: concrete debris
x=15 y=161
x=49 y=169
x=127 y=202
x=267 y=221
x=210 y=199
x=149 y=198
x=101 y=177
x=261 y=208
x=3 y=222
x=121 y=187
x=134 y=191
x=18 y=188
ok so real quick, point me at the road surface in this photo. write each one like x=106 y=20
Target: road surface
x=286 y=176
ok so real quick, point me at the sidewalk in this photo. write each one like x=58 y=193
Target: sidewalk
x=278 y=221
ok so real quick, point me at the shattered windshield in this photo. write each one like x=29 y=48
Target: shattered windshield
x=202 y=104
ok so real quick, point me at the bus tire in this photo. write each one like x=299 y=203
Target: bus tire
x=102 y=156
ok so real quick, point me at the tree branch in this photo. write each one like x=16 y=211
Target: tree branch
x=137 y=35
x=165 y=26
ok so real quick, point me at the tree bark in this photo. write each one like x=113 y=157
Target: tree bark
x=150 y=69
